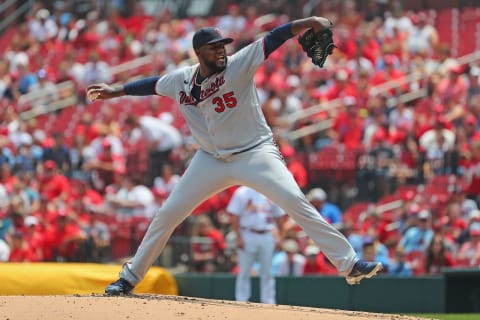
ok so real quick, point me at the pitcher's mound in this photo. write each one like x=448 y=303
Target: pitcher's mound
x=149 y=307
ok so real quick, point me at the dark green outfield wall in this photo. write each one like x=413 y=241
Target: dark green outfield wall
x=382 y=294
x=462 y=290
x=455 y=291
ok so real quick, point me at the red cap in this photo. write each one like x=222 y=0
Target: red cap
x=121 y=170
x=106 y=143
x=456 y=69
x=62 y=214
x=398 y=136
x=379 y=136
x=476 y=137
x=470 y=119
x=389 y=59
x=439 y=108
x=474 y=232
x=49 y=164
x=441 y=121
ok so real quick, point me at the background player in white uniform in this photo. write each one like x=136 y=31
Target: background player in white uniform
x=253 y=219
x=220 y=103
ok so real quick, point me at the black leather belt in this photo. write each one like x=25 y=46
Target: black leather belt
x=256 y=231
x=248 y=149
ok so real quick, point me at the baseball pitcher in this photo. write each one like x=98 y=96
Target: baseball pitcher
x=218 y=98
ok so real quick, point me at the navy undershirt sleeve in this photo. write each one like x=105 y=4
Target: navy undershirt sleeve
x=142 y=87
x=277 y=37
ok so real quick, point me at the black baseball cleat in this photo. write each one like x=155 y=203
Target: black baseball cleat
x=363 y=269
x=119 y=287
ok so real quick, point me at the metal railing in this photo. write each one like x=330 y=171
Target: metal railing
x=28 y=100
x=379 y=89
x=292 y=118
x=66 y=92
x=179 y=8
x=7 y=20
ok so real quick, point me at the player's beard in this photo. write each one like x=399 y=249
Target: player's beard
x=215 y=67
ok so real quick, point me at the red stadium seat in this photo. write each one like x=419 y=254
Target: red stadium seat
x=407 y=192
x=353 y=213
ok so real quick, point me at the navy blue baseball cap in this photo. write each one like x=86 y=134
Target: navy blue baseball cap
x=208 y=35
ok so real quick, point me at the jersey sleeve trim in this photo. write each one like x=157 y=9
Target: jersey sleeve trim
x=142 y=87
x=275 y=38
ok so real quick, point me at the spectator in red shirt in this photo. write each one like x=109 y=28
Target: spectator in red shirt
x=379 y=225
x=437 y=256
x=470 y=123
x=53 y=185
x=341 y=88
x=105 y=165
x=17 y=219
x=390 y=73
x=34 y=237
x=137 y=22
x=46 y=214
x=456 y=224
x=347 y=126
x=409 y=160
x=7 y=178
x=82 y=191
x=369 y=44
x=469 y=253
x=65 y=239
x=208 y=249
x=472 y=169
x=99 y=238
x=453 y=88
x=20 y=250
x=317 y=263
x=58 y=152
x=346 y=43
x=87 y=127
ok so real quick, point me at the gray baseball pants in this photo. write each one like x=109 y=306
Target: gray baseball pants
x=261 y=168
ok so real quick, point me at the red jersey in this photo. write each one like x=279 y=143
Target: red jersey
x=217 y=245
x=53 y=187
x=36 y=241
x=349 y=129
x=472 y=176
x=319 y=265
x=57 y=239
x=24 y=254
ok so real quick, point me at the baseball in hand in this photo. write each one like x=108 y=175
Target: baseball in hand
x=92 y=96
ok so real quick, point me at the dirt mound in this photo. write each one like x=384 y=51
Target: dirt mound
x=148 y=307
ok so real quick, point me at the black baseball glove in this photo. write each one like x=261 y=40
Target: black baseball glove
x=317 y=45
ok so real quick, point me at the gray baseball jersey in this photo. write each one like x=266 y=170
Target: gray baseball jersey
x=229 y=117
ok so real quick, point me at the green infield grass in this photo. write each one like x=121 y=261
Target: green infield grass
x=450 y=316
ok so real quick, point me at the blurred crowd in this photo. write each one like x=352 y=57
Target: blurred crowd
x=74 y=198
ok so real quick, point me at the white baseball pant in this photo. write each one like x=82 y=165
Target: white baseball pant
x=257 y=247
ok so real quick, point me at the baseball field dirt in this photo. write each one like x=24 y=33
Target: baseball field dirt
x=148 y=307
